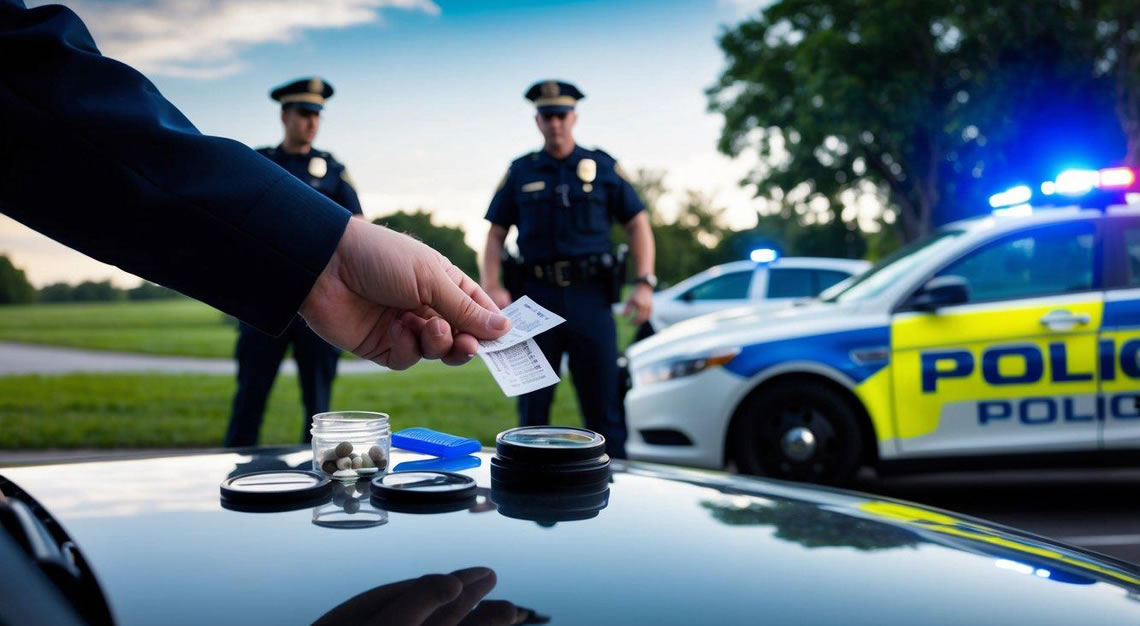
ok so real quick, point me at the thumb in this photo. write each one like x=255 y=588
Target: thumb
x=468 y=309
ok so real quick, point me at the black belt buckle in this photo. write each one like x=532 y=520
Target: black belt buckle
x=561 y=273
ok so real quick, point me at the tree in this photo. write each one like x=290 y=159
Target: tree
x=57 y=292
x=151 y=291
x=14 y=285
x=687 y=244
x=102 y=291
x=447 y=240
x=920 y=99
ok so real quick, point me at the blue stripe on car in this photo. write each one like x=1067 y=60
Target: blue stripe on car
x=831 y=349
x=1121 y=314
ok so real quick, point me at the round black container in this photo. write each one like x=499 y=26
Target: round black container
x=548 y=508
x=274 y=491
x=549 y=457
x=423 y=487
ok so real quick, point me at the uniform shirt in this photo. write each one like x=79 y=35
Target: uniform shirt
x=321 y=172
x=94 y=157
x=558 y=212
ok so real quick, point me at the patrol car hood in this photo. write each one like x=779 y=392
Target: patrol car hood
x=660 y=546
x=750 y=325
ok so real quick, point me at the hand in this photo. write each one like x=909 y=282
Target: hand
x=437 y=599
x=501 y=297
x=388 y=298
x=640 y=304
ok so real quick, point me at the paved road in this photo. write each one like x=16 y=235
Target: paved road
x=1097 y=509
x=18 y=358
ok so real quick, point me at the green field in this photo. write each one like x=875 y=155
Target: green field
x=131 y=410
x=170 y=327
x=134 y=410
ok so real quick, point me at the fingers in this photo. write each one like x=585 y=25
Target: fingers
x=436 y=340
x=468 y=309
x=477 y=582
x=421 y=599
x=496 y=613
x=404 y=350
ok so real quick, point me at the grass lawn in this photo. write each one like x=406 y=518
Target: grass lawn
x=172 y=327
x=130 y=410
x=180 y=327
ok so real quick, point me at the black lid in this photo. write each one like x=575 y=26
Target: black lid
x=281 y=490
x=423 y=487
x=544 y=476
x=550 y=507
x=424 y=508
x=549 y=444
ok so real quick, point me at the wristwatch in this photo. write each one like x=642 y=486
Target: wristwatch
x=648 y=279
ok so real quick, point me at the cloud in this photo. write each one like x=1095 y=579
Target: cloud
x=205 y=38
x=747 y=8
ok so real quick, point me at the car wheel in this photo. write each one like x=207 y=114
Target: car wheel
x=802 y=431
x=643 y=331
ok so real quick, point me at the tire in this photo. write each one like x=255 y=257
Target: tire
x=643 y=331
x=768 y=417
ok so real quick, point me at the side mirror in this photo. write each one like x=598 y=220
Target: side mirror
x=941 y=291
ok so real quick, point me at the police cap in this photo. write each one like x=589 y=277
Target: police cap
x=306 y=93
x=554 y=96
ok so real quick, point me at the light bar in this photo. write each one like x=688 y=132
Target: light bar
x=762 y=255
x=1010 y=197
x=1117 y=178
x=1076 y=182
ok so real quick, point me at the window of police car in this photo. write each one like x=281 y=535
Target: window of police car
x=801 y=282
x=1048 y=261
x=893 y=267
x=1132 y=247
x=731 y=286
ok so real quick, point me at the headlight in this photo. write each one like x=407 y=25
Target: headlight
x=681 y=367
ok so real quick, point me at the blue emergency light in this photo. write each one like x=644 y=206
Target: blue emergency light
x=763 y=255
x=1070 y=183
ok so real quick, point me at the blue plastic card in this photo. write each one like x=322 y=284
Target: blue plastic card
x=433 y=442
x=453 y=464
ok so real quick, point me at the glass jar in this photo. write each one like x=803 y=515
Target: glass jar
x=350 y=444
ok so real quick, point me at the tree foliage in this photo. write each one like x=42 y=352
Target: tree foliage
x=14 y=285
x=920 y=99
x=447 y=240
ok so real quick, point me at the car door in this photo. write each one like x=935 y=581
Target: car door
x=1120 y=335
x=717 y=293
x=1012 y=369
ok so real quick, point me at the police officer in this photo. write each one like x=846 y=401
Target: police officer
x=259 y=355
x=563 y=199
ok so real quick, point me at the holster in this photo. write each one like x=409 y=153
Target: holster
x=617 y=275
x=511 y=270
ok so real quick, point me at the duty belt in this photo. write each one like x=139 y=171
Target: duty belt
x=572 y=271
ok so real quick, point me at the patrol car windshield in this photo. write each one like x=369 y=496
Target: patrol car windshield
x=893 y=267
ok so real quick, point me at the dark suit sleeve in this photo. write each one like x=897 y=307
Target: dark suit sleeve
x=503 y=210
x=94 y=157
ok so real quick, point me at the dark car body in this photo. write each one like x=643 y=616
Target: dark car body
x=659 y=546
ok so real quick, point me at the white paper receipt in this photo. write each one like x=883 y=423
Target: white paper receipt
x=514 y=359
x=527 y=320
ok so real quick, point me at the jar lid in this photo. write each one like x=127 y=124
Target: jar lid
x=549 y=444
x=423 y=487
x=274 y=490
x=547 y=508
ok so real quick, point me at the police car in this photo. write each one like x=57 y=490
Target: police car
x=1011 y=338
x=765 y=280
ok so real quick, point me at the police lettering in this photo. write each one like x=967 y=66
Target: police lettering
x=1046 y=410
x=1024 y=364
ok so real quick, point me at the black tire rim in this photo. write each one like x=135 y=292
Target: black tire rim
x=774 y=425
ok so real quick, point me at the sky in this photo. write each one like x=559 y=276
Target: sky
x=428 y=110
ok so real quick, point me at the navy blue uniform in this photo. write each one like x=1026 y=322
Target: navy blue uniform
x=560 y=216
x=259 y=355
x=94 y=157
